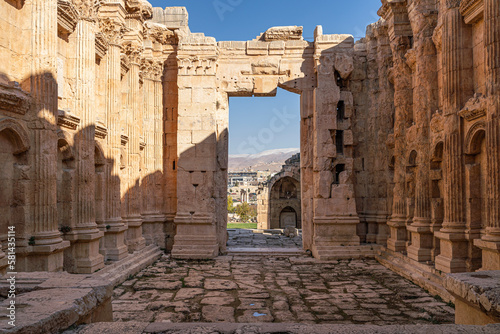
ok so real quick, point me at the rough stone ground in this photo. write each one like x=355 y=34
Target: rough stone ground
x=283 y=289
x=243 y=238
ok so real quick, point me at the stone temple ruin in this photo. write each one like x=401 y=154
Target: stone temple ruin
x=114 y=142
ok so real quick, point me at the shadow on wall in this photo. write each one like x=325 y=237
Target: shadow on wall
x=48 y=163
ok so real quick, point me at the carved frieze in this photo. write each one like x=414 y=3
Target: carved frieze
x=474 y=108
x=13 y=99
x=472 y=10
x=67 y=120
x=194 y=65
x=67 y=16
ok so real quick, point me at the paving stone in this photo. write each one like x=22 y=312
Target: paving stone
x=215 y=313
x=251 y=316
x=219 y=284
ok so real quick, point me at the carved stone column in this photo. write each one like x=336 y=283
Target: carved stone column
x=490 y=243
x=153 y=220
x=453 y=244
x=114 y=235
x=396 y=15
x=425 y=103
x=84 y=252
x=47 y=252
x=132 y=200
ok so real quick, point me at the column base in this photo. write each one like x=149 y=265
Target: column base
x=83 y=256
x=491 y=253
x=114 y=242
x=135 y=240
x=420 y=249
x=453 y=252
x=333 y=231
x=397 y=239
x=196 y=237
x=153 y=230
x=42 y=257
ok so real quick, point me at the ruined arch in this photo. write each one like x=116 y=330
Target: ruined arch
x=474 y=138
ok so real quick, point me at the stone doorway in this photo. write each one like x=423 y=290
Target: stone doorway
x=288 y=218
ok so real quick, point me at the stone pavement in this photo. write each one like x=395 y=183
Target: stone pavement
x=245 y=238
x=288 y=289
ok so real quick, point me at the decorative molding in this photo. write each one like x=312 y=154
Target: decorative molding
x=101 y=45
x=472 y=10
x=194 y=65
x=13 y=99
x=471 y=146
x=282 y=34
x=67 y=16
x=450 y=4
x=138 y=9
x=101 y=131
x=67 y=120
x=124 y=64
x=142 y=144
x=474 y=108
x=124 y=139
x=160 y=33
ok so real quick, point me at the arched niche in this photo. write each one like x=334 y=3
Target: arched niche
x=288 y=217
x=14 y=143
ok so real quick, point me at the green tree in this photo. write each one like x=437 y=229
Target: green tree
x=230 y=206
x=246 y=211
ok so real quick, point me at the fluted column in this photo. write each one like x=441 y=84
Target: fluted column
x=425 y=103
x=133 y=219
x=46 y=254
x=153 y=220
x=403 y=106
x=490 y=243
x=453 y=244
x=85 y=237
x=114 y=235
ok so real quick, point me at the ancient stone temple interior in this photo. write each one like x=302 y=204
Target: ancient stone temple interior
x=114 y=152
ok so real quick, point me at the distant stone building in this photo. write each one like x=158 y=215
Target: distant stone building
x=278 y=200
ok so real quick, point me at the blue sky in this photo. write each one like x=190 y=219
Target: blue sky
x=257 y=124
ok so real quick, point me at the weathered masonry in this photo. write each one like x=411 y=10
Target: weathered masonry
x=114 y=117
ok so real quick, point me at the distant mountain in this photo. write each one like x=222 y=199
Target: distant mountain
x=267 y=160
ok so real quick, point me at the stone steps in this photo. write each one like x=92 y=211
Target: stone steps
x=118 y=272
x=284 y=328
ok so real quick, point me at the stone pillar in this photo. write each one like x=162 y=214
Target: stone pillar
x=453 y=243
x=153 y=220
x=114 y=235
x=334 y=204
x=47 y=252
x=306 y=167
x=197 y=136
x=84 y=251
x=424 y=59
x=490 y=243
x=135 y=240
x=399 y=30
x=170 y=163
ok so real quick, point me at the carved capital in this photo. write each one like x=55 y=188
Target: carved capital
x=133 y=52
x=87 y=8
x=112 y=31
x=151 y=69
